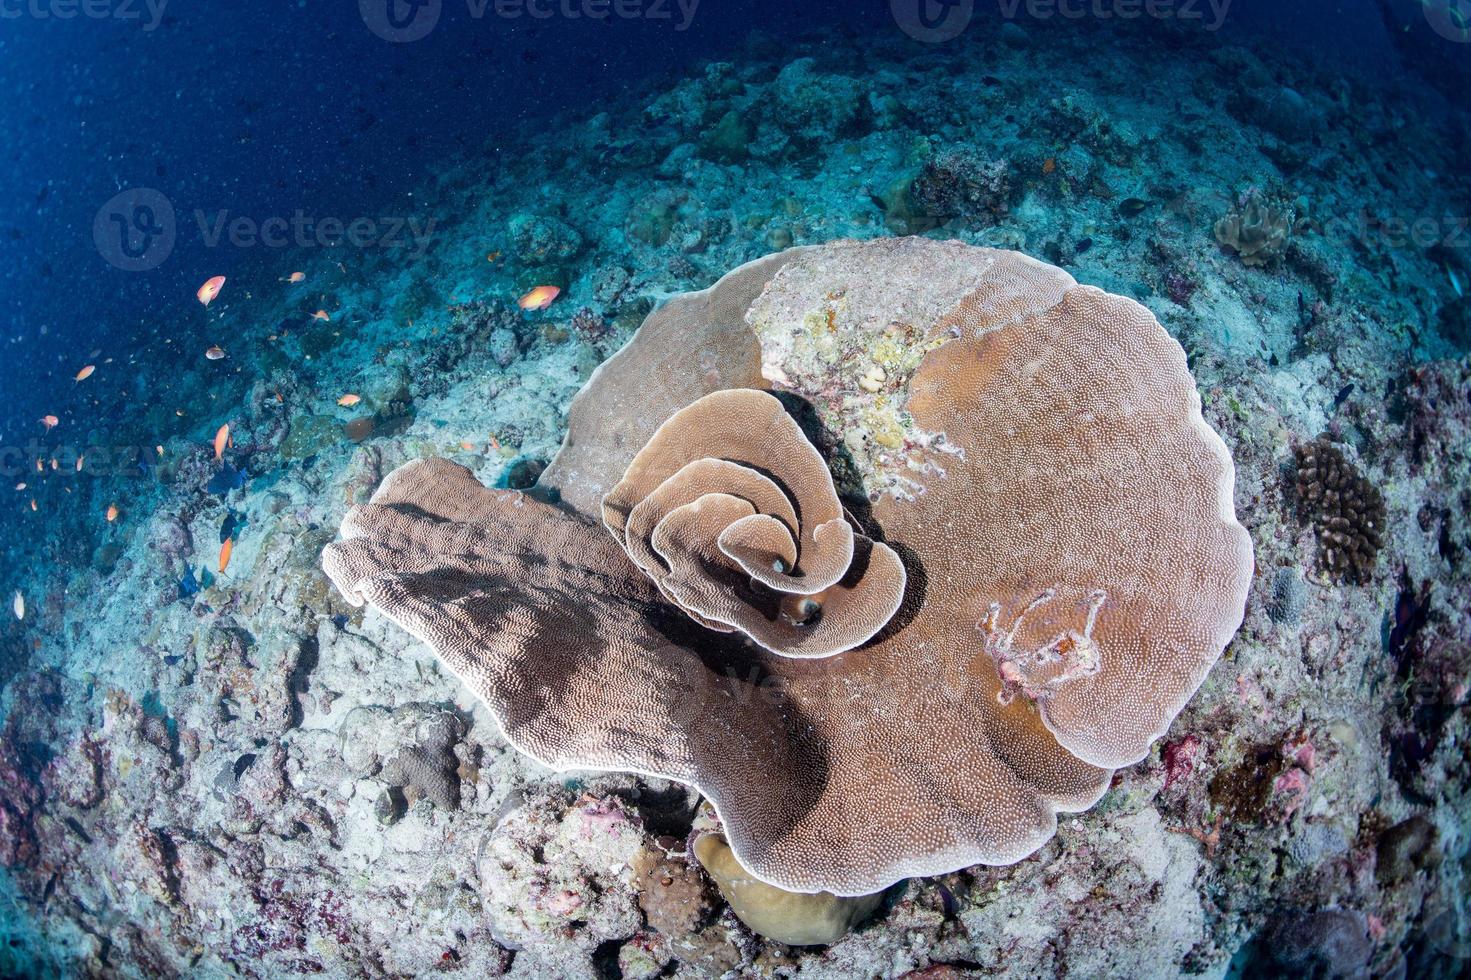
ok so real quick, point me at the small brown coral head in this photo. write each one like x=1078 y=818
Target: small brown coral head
x=1346 y=510
x=733 y=514
x=1258 y=233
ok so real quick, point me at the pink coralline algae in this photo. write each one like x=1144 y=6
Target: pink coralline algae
x=1179 y=759
x=287 y=923
x=1300 y=751
x=75 y=776
x=603 y=817
x=1290 y=790
x=19 y=797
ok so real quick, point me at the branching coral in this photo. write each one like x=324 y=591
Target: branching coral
x=1071 y=563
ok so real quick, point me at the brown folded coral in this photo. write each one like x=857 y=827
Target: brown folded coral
x=734 y=515
x=1030 y=482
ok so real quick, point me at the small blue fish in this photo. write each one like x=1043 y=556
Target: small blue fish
x=188 y=585
x=233 y=523
x=227 y=479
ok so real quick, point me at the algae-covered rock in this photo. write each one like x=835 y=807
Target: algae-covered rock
x=653 y=226
x=538 y=238
x=793 y=918
x=815 y=107
x=674 y=896
x=309 y=435
x=728 y=141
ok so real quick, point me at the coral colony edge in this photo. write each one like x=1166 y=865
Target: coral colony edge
x=1041 y=564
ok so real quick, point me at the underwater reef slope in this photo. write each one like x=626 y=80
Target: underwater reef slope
x=213 y=765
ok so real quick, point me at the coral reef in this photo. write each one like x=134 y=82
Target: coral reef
x=439 y=554
x=959 y=185
x=176 y=792
x=1258 y=232
x=767 y=551
x=1346 y=510
x=788 y=917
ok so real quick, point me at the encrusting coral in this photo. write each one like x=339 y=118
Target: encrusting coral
x=792 y=918
x=1073 y=566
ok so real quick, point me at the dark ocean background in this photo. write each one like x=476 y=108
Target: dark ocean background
x=262 y=109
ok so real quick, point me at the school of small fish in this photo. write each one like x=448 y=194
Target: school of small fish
x=539 y=298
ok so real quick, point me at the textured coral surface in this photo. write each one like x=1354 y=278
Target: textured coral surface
x=1072 y=540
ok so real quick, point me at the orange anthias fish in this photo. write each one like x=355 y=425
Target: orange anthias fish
x=295 y=277
x=111 y=513
x=210 y=289
x=321 y=315
x=86 y=373
x=80 y=461
x=215 y=353
x=226 y=550
x=348 y=401
x=222 y=439
x=539 y=298
x=50 y=422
